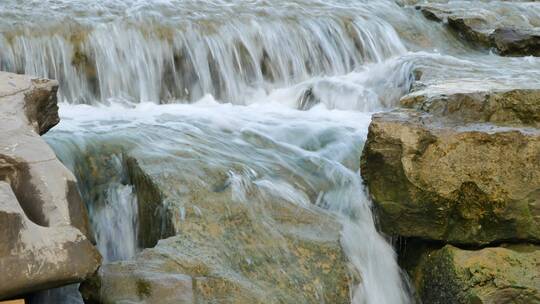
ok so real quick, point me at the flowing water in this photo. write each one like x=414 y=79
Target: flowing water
x=277 y=94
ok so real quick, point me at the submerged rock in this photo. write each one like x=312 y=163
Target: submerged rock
x=230 y=241
x=44 y=241
x=506 y=274
x=507 y=27
x=459 y=183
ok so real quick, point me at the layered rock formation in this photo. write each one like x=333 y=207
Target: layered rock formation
x=461 y=165
x=465 y=185
x=507 y=27
x=45 y=237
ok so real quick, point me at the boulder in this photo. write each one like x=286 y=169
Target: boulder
x=33 y=257
x=507 y=27
x=506 y=274
x=50 y=244
x=462 y=183
x=221 y=246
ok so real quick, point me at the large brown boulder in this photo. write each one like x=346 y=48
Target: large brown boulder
x=438 y=179
x=461 y=165
x=44 y=241
x=506 y=274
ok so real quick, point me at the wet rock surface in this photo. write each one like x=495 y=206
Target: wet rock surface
x=510 y=28
x=225 y=244
x=505 y=274
x=478 y=102
x=435 y=180
x=460 y=165
x=46 y=243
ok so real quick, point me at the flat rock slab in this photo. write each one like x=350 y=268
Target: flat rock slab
x=478 y=101
x=44 y=241
x=507 y=274
x=512 y=28
x=441 y=180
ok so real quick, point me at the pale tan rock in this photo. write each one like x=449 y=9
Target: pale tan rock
x=47 y=243
x=33 y=257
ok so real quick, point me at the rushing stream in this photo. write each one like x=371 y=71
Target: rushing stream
x=271 y=97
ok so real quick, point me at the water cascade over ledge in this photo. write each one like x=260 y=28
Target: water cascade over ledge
x=250 y=112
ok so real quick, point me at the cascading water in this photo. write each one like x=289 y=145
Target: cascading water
x=210 y=49
x=238 y=73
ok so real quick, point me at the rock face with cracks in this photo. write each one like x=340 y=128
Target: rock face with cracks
x=44 y=241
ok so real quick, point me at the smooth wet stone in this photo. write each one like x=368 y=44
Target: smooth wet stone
x=506 y=274
x=44 y=241
x=33 y=257
x=510 y=28
x=224 y=247
x=515 y=42
x=438 y=179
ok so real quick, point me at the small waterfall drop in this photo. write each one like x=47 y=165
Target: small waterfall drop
x=149 y=59
x=282 y=89
x=115 y=225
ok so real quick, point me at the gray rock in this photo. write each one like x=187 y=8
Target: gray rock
x=515 y=42
x=33 y=257
x=508 y=27
x=47 y=244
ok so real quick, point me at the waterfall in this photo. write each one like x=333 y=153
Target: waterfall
x=260 y=80
x=164 y=61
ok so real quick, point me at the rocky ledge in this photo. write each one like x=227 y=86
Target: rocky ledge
x=45 y=236
x=507 y=27
x=455 y=172
x=214 y=247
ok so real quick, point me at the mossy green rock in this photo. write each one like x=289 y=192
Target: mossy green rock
x=508 y=274
x=453 y=182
